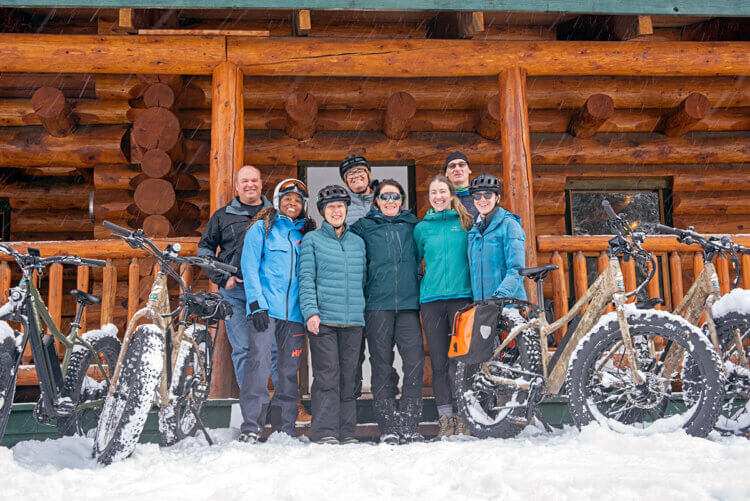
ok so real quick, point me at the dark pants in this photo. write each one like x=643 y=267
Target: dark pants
x=382 y=330
x=334 y=353
x=437 y=322
x=254 y=396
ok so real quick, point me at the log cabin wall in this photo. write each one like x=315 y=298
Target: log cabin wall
x=76 y=149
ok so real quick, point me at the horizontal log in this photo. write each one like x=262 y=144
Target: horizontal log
x=549 y=225
x=32 y=146
x=121 y=177
x=19 y=112
x=549 y=203
x=559 y=92
x=45 y=221
x=274 y=147
x=435 y=58
x=46 y=195
x=555 y=176
x=23 y=85
x=101 y=249
x=49 y=236
x=712 y=180
x=727 y=224
x=598 y=243
x=189 y=55
x=701 y=203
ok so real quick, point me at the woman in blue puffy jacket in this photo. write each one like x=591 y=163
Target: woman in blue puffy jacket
x=270 y=260
x=497 y=244
x=332 y=277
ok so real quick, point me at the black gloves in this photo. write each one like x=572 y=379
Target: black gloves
x=258 y=317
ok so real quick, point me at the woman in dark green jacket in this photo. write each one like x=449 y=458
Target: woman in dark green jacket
x=331 y=278
x=441 y=240
x=391 y=313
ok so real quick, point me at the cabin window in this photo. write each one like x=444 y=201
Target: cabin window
x=644 y=202
x=5 y=220
x=317 y=175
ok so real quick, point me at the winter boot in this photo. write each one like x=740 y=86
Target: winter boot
x=446 y=425
x=248 y=437
x=459 y=426
x=410 y=410
x=385 y=415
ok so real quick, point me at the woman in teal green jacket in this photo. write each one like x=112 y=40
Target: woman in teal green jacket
x=446 y=287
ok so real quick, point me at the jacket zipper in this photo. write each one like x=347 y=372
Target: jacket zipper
x=346 y=272
x=291 y=271
x=395 y=264
x=445 y=250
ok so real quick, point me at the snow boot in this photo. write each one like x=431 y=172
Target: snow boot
x=446 y=427
x=248 y=437
x=410 y=411
x=349 y=441
x=328 y=441
x=387 y=419
x=459 y=426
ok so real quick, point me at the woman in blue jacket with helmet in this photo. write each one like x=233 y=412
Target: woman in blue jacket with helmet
x=332 y=276
x=497 y=244
x=270 y=260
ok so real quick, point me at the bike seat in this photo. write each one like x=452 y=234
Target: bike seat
x=537 y=273
x=649 y=303
x=85 y=298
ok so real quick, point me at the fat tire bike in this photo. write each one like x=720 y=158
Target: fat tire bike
x=69 y=389
x=619 y=369
x=168 y=360
x=727 y=326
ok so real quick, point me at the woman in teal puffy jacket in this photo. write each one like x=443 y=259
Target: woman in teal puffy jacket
x=497 y=244
x=332 y=276
x=445 y=288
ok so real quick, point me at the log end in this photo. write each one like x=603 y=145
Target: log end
x=156 y=163
x=159 y=95
x=156 y=128
x=155 y=196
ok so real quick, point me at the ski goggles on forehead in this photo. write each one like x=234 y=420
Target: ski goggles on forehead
x=385 y=197
x=487 y=195
x=293 y=186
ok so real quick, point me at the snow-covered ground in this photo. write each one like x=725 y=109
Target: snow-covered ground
x=591 y=464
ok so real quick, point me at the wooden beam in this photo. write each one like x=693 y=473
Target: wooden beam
x=110 y=54
x=207 y=32
x=517 y=186
x=399 y=111
x=53 y=111
x=592 y=115
x=682 y=118
x=301 y=23
x=227 y=145
x=301 y=115
x=629 y=27
x=133 y=20
x=470 y=24
x=98 y=249
x=598 y=243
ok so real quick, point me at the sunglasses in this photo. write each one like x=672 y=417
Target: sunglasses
x=389 y=196
x=487 y=195
x=359 y=173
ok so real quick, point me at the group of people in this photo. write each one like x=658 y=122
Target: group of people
x=367 y=276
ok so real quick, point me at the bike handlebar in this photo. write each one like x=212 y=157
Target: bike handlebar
x=117 y=229
x=608 y=209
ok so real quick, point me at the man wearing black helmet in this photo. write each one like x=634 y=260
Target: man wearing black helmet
x=497 y=244
x=458 y=169
x=332 y=276
x=355 y=172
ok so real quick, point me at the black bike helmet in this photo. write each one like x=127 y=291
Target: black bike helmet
x=351 y=162
x=332 y=193
x=485 y=182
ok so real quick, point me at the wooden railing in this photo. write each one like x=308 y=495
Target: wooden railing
x=683 y=263
x=123 y=284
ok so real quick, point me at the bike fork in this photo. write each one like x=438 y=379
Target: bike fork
x=627 y=340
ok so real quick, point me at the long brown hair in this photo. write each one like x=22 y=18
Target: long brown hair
x=463 y=215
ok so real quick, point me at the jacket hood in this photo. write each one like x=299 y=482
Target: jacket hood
x=497 y=220
x=330 y=231
x=443 y=214
x=405 y=216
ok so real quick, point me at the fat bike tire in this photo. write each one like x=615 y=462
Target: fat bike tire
x=735 y=415
x=78 y=386
x=124 y=413
x=176 y=420
x=600 y=386
x=496 y=411
x=8 y=375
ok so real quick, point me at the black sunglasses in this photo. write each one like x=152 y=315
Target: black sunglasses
x=483 y=194
x=389 y=196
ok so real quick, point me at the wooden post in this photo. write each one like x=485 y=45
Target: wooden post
x=722 y=269
x=653 y=286
x=4 y=282
x=580 y=275
x=134 y=288
x=745 y=260
x=82 y=284
x=559 y=293
x=601 y=264
x=675 y=269
x=516 y=154
x=301 y=22
x=227 y=143
x=55 y=296
x=109 y=291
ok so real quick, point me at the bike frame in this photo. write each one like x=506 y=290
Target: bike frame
x=609 y=286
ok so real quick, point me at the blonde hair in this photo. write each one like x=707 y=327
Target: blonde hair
x=463 y=215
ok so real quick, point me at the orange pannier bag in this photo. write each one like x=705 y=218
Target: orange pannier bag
x=475 y=328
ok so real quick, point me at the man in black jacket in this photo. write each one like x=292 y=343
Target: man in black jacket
x=226 y=230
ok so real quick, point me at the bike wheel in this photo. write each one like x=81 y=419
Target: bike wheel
x=494 y=410
x=600 y=386
x=78 y=385
x=124 y=413
x=735 y=414
x=8 y=363
x=176 y=420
